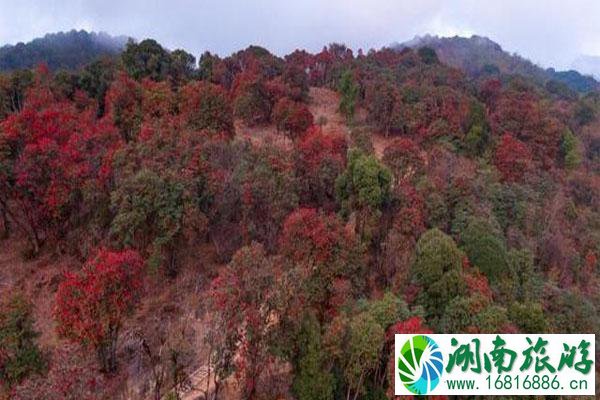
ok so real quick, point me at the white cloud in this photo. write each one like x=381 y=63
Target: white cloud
x=438 y=26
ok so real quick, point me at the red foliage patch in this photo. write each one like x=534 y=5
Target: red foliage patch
x=207 y=106
x=513 y=158
x=292 y=117
x=91 y=306
x=59 y=153
x=310 y=238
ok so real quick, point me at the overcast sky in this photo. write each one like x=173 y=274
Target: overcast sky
x=549 y=32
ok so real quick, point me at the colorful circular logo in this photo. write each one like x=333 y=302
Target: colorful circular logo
x=420 y=364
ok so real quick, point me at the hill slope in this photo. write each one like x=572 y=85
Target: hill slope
x=479 y=55
x=66 y=50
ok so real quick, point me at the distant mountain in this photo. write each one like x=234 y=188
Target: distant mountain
x=575 y=80
x=479 y=55
x=63 y=50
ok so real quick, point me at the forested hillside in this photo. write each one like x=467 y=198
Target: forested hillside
x=258 y=227
x=63 y=50
x=479 y=56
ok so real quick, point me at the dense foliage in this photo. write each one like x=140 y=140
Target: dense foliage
x=260 y=227
x=63 y=50
x=91 y=306
x=19 y=354
x=479 y=55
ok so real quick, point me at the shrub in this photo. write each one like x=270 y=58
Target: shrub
x=72 y=375
x=149 y=212
x=312 y=380
x=403 y=158
x=485 y=248
x=529 y=317
x=365 y=183
x=19 y=354
x=437 y=269
x=569 y=150
x=349 y=91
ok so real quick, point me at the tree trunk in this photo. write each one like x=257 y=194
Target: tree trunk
x=157 y=389
x=5 y=222
x=107 y=351
x=217 y=388
x=362 y=375
x=171 y=262
x=208 y=374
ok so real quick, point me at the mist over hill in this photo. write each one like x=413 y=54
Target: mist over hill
x=62 y=50
x=479 y=55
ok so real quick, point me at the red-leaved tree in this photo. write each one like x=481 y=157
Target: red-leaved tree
x=243 y=300
x=58 y=164
x=324 y=253
x=404 y=159
x=252 y=101
x=92 y=305
x=124 y=106
x=412 y=325
x=513 y=158
x=207 y=106
x=292 y=117
x=320 y=158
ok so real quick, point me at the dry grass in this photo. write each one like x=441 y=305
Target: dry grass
x=262 y=134
x=36 y=280
x=324 y=103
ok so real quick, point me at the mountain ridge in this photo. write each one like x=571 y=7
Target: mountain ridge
x=476 y=55
x=480 y=55
x=61 y=50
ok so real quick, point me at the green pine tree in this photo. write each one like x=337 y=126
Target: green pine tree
x=312 y=380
